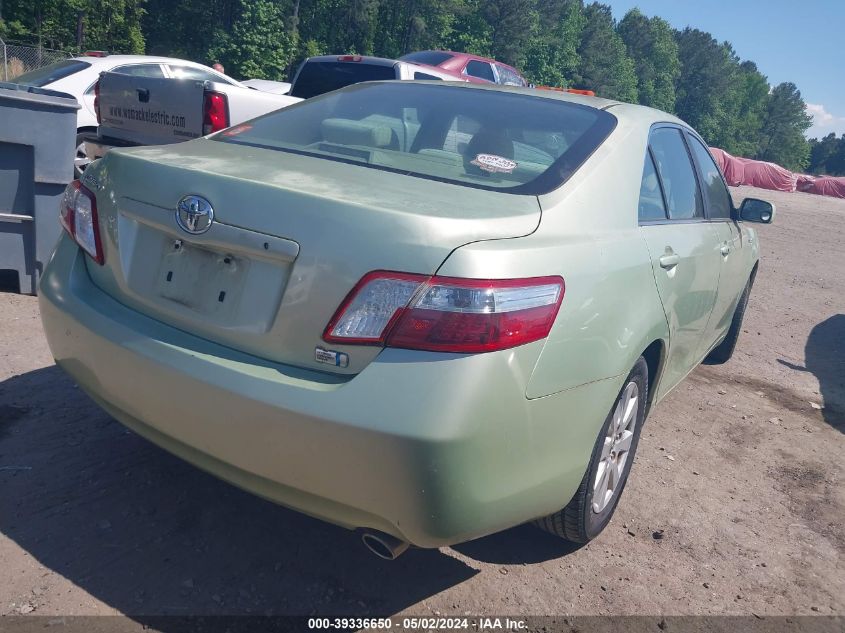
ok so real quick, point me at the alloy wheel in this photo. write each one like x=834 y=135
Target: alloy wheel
x=616 y=447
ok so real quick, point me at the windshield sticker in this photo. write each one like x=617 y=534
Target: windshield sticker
x=238 y=129
x=494 y=164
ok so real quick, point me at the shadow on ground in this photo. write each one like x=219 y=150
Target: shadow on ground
x=148 y=534
x=824 y=358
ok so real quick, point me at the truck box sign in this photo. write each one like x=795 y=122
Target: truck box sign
x=150 y=110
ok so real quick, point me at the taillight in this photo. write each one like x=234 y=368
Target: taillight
x=350 y=58
x=446 y=314
x=215 y=112
x=78 y=215
x=97 y=102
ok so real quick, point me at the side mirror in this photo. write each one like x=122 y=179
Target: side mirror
x=754 y=210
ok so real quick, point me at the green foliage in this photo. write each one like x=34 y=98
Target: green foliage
x=71 y=25
x=258 y=46
x=552 y=56
x=605 y=66
x=827 y=156
x=782 y=133
x=752 y=100
x=512 y=22
x=651 y=44
x=707 y=88
x=554 y=42
x=471 y=32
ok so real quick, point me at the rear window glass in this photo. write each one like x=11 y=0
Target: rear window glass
x=48 y=74
x=316 y=78
x=431 y=58
x=478 y=138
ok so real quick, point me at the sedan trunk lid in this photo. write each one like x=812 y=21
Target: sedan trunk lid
x=291 y=236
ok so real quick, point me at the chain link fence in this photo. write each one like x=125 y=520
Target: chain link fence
x=16 y=59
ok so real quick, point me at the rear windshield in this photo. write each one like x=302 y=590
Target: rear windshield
x=316 y=78
x=48 y=74
x=477 y=138
x=431 y=58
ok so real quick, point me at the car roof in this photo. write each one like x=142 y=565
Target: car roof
x=359 y=59
x=113 y=60
x=457 y=56
x=629 y=112
x=593 y=102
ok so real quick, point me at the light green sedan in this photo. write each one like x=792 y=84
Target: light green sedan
x=425 y=311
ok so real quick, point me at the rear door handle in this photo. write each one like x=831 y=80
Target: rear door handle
x=669 y=260
x=726 y=249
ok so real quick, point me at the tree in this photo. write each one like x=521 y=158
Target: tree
x=827 y=156
x=552 y=56
x=651 y=44
x=604 y=63
x=512 y=23
x=403 y=27
x=259 y=46
x=752 y=100
x=783 y=128
x=471 y=32
x=707 y=90
x=113 y=25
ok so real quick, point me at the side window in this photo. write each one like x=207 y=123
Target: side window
x=676 y=173
x=190 y=72
x=718 y=198
x=483 y=70
x=426 y=77
x=652 y=206
x=140 y=70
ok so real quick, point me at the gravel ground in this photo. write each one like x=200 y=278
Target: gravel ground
x=735 y=506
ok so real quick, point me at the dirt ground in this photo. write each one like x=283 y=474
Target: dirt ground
x=735 y=506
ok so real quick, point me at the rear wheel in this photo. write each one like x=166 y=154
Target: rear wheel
x=723 y=351
x=81 y=160
x=590 y=510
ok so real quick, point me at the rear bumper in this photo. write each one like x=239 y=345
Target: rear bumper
x=96 y=146
x=432 y=448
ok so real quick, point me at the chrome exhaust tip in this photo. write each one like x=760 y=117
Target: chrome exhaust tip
x=384 y=545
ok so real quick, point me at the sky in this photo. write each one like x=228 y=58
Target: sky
x=801 y=42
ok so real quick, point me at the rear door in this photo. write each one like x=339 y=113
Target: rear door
x=734 y=269
x=683 y=247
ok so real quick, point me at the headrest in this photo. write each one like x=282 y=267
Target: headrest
x=349 y=132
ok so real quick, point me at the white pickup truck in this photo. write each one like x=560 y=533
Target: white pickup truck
x=133 y=110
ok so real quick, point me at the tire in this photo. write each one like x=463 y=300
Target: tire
x=723 y=351
x=586 y=515
x=80 y=160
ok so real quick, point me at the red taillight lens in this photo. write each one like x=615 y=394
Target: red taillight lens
x=446 y=314
x=97 y=102
x=78 y=215
x=350 y=58
x=215 y=112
